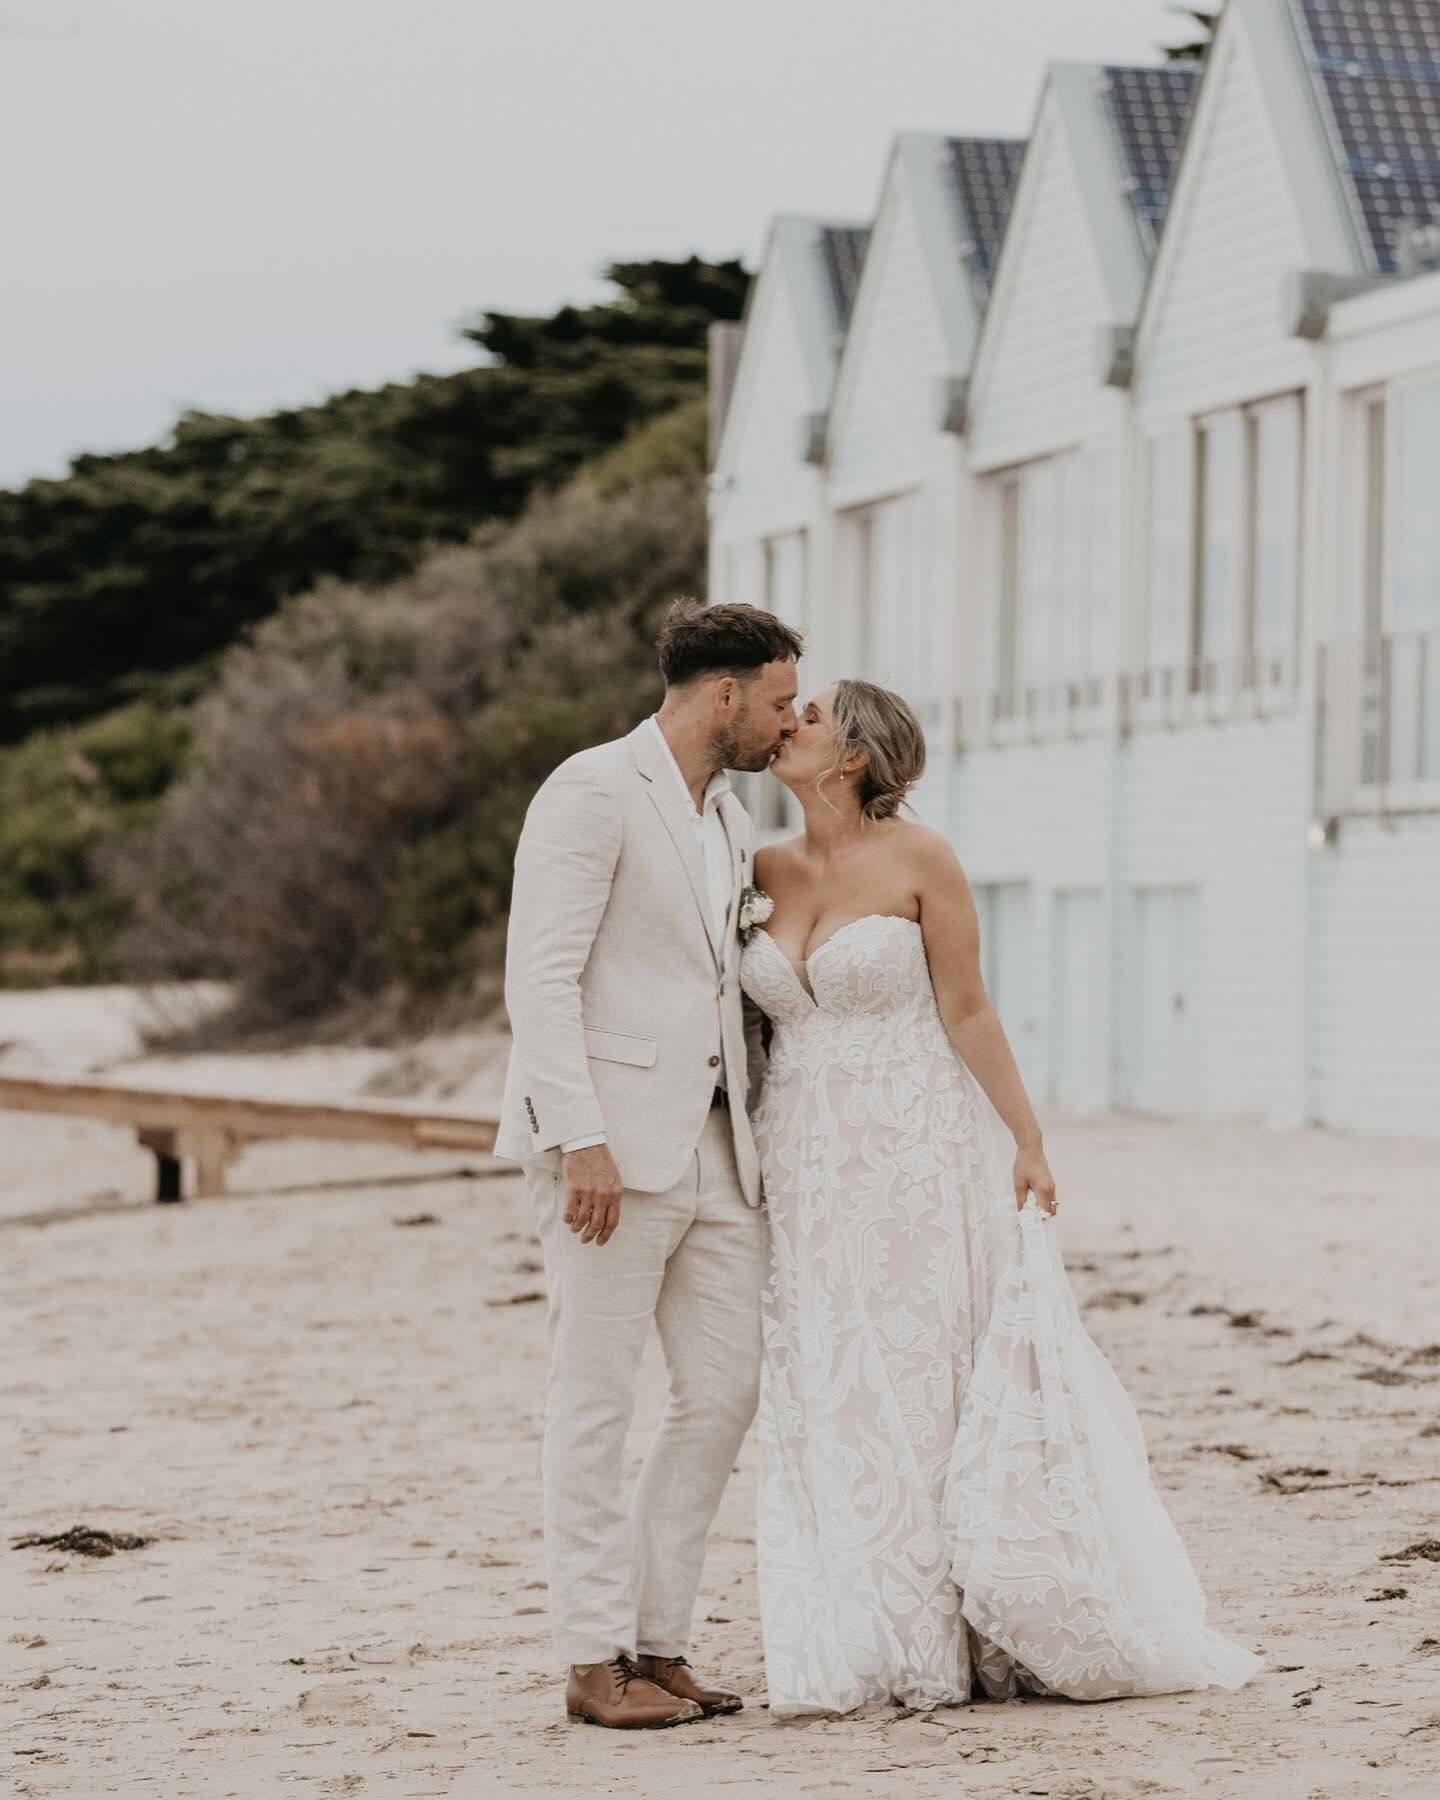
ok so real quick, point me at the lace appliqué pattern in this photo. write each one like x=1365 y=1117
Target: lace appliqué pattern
x=954 y=1492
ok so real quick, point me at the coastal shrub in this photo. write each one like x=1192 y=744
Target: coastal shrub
x=65 y=798
x=361 y=772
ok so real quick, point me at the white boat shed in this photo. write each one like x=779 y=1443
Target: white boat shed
x=1120 y=458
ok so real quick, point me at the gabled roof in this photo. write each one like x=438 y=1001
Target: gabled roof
x=1286 y=45
x=982 y=175
x=842 y=250
x=1123 y=128
x=1375 y=69
x=960 y=191
x=818 y=262
x=1147 y=109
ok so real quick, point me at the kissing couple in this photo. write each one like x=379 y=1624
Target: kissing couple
x=751 y=1094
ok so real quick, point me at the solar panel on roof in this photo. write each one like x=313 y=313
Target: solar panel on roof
x=983 y=171
x=1147 y=110
x=1376 y=69
x=843 y=250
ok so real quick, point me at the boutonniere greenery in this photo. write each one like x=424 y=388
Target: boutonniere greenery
x=756 y=907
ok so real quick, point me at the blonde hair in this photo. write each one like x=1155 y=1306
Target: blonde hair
x=871 y=719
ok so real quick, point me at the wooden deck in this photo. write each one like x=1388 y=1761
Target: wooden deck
x=209 y=1130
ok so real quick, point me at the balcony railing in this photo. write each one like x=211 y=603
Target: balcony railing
x=1034 y=715
x=1253 y=684
x=1380 y=723
x=1167 y=695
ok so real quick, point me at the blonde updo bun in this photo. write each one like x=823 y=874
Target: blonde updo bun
x=870 y=719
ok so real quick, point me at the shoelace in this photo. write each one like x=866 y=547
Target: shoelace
x=625 y=1671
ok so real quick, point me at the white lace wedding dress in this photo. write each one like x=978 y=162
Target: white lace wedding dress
x=954 y=1493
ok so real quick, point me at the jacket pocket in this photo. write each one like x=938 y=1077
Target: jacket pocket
x=621 y=1046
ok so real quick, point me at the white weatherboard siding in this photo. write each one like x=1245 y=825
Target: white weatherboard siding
x=1214 y=816
x=768 y=543
x=1157 y=931
x=1029 y=825
x=1038 y=389
x=1077 y=1000
x=762 y=476
x=1032 y=810
x=1214 y=327
x=893 y=477
x=1221 y=811
x=888 y=394
x=1375 y=1043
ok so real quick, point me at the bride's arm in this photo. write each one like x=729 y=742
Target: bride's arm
x=951 y=929
x=757 y=1037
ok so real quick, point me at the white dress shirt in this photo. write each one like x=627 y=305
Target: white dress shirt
x=714 y=847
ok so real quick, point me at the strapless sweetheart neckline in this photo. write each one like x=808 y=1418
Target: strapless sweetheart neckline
x=805 y=961
x=798 y=969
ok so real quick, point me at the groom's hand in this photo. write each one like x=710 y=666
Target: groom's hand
x=592 y=1193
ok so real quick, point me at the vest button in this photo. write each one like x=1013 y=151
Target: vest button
x=714 y=1062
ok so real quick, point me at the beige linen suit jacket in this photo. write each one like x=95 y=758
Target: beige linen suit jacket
x=625 y=1009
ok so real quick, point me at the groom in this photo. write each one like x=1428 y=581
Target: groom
x=625 y=1101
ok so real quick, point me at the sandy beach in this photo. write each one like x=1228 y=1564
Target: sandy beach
x=319 y=1398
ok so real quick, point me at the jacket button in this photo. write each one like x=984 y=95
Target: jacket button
x=714 y=1062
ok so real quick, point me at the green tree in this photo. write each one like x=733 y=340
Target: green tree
x=1195 y=48
x=129 y=577
x=361 y=770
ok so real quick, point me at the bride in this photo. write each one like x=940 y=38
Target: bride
x=954 y=1493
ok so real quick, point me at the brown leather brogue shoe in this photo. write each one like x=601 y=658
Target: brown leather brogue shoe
x=676 y=1676
x=616 y=1694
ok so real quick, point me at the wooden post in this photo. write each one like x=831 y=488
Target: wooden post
x=166 y=1146
x=212 y=1150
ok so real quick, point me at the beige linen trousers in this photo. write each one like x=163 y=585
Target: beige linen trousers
x=626 y=1011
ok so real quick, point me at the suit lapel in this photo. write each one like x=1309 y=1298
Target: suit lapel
x=731 y=816
x=675 y=814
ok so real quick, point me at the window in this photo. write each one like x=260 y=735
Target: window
x=1007 y=661
x=1090 y=512
x=1054 y=584
x=1383 y=668
x=1041 y=560
x=857 y=542
x=1415 y=592
x=1230 y=487
x=885 y=552
x=887 y=617
x=1413 y=675
x=1220 y=547
x=768 y=572
x=744 y=574
x=785 y=567
x=1167 y=635
x=1372 y=553
x=1274 y=446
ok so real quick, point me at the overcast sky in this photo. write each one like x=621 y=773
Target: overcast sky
x=242 y=204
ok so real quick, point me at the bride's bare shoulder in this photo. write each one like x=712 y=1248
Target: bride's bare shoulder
x=771 y=860
x=927 y=851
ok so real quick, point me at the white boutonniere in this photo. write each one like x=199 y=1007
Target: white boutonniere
x=756 y=907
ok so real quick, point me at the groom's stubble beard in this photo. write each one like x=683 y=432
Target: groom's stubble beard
x=734 y=746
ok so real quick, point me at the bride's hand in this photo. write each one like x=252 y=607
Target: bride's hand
x=1032 y=1175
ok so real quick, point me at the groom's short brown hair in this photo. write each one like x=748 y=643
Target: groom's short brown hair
x=698 y=640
